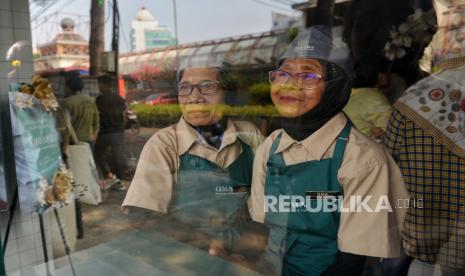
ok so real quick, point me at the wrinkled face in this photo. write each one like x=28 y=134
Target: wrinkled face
x=198 y=109
x=292 y=100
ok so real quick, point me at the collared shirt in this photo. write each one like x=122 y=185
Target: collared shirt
x=156 y=174
x=84 y=116
x=366 y=170
x=368 y=108
x=434 y=231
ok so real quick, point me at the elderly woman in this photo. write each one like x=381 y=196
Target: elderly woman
x=199 y=170
x=318 y=160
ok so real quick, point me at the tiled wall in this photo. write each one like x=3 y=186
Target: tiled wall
x=24 y=248
x=15 y=26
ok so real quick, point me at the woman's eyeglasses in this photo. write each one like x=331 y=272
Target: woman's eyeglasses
x=205 y=88
x=304 y=80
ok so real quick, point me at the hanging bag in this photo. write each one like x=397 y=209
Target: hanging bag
x=81 y=163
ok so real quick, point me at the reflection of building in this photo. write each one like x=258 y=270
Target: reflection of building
x=282 y=21
x=152 y=71
x=67 y=50
x=147 y=34
x=247 y=51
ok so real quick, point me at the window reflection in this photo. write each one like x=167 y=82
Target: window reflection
x=209 y=146
x=198 y=172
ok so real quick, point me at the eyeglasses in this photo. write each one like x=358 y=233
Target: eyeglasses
x=205 y=88
x=304 y=80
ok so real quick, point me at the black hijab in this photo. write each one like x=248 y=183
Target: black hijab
x=334 y=99
x=318 y=42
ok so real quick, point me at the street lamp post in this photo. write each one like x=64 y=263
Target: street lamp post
x=176 y=34
x=115 y=41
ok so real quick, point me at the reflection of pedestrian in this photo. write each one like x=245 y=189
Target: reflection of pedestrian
x=111 y=135
x=426 y=135
x=431 y=155
x=66 y=131
x=368 y=108
x=372 y=29
x=83 y=111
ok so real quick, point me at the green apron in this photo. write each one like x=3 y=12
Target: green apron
x=211 y=198
x=303 y=242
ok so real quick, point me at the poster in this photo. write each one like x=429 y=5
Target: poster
x=36 y=145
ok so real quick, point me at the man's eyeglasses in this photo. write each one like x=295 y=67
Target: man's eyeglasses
x=304 y=80
x=205 y=88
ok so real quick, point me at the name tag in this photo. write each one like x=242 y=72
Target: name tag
x=322 y=194
x=232 y=190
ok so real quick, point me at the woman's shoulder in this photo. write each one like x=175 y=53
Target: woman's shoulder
x=165 y=137
x=362 y=151
x=245 y=126
x=268 y=142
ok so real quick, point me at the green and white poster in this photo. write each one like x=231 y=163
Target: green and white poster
x=36 y=144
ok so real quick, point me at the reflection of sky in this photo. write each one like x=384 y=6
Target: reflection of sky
x=197 y=20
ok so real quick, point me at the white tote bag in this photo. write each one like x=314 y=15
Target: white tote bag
x=81 y=163
x=86 y=183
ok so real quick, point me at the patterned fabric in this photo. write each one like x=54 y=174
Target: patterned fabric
x=448 y=45
x=434 y=228
x=437 y=104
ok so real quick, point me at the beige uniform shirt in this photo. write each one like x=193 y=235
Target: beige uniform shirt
x=366 y=169
x=158 y=165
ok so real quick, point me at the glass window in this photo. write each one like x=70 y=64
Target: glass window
x=264 y=51
x=241 y=51
x=201 y=138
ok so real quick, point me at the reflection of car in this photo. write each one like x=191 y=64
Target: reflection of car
x=161 y=98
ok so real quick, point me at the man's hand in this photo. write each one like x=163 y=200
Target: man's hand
x=217 y=248
x=377 y=132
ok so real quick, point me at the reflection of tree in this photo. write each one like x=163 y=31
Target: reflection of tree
x=146 y=73
x=260 y=93
x=150 y=75
x=291 y=33
x=96 y=41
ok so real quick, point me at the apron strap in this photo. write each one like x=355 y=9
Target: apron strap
x=276 y=158
x=246 y=158
x=246 y=148
x=243 y=164
x=338 y=154
x=248 y=153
